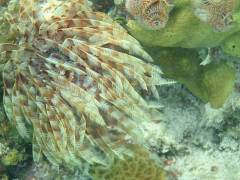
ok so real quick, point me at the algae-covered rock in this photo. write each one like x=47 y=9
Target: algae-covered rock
x=211 y=83
x=185 y=30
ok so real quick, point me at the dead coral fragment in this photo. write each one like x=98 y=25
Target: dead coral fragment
x=151 y=14
x=215 y=12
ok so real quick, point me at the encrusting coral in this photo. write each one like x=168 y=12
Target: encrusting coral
x=231 y=45
x=72 y=85
x=150 y=14
x=204 y=82
x=185 y=30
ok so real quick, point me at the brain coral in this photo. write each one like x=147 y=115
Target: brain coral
x=143 y=166
x=184 y=29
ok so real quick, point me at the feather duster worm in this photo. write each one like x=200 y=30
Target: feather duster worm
x=70 y=82
x=151 y=14
x=215 y=12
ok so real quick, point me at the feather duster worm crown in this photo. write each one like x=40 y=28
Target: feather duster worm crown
x=151 y=14
x=71 y=83
x=215 y=12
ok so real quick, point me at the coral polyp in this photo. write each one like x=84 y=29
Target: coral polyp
x=151 y=14
x=216 y=13
x=134 y=7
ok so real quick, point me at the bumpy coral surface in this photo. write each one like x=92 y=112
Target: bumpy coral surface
x=204 y=82
x=143 y=166
x=231 y=45
x=151 y=14
x=70 y=83
x=184 y=29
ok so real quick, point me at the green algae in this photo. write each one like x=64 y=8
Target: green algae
x=12 y=158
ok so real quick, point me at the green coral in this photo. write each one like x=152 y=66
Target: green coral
x=185 y=30
x=232 y=44
x=212 y=83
